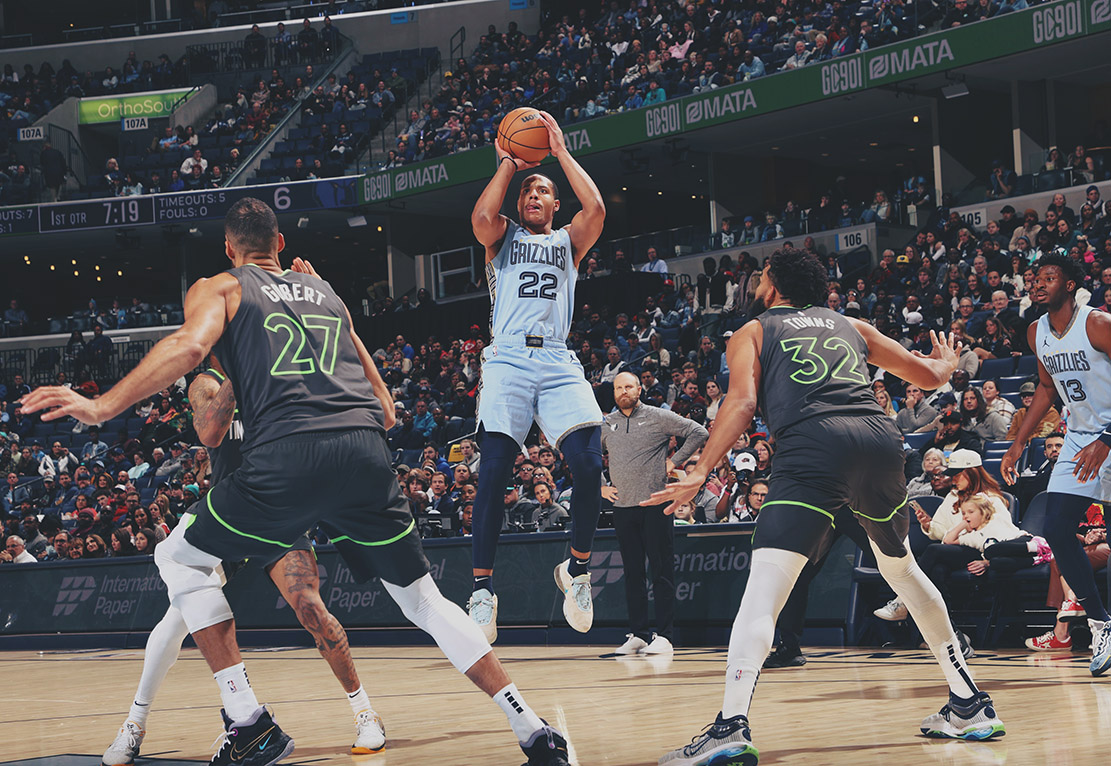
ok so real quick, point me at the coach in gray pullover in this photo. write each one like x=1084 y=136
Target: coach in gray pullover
x=636 y=438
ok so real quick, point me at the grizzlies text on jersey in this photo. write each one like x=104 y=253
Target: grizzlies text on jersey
x=532 y=284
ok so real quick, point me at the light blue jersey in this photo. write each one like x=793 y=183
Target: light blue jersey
x=528 y=373
x=532 y=284
x=1082 y=376
x=1081 y=373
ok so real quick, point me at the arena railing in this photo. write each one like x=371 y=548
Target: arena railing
x=40 y=366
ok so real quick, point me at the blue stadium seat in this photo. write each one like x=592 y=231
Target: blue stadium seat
x=1027 y=365
x=1011 y=383
x=996 y=368
x=992 y=467
x=918 y=441
x=1033 y=521
x=1014 y=399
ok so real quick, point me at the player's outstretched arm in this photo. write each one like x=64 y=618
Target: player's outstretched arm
x=206 y=316
x=1044 y=396
x=587 y=224
x=213 y=403
x=732 y=419
x=926 y=372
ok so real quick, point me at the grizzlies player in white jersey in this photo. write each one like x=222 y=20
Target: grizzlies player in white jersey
x=1072 y=343
x=528 y=373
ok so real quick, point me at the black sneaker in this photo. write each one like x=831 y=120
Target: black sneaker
x=966 y=646
x=546 y=748
x=258 y=741
x=784 y=658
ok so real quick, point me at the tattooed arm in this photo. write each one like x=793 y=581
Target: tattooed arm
x=213 y=404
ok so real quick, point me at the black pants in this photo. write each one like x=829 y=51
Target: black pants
x=641 y=533
x=1009 y=556
x=793 y=617
x=938 y=561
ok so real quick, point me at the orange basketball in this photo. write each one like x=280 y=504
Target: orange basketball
x=522 y=133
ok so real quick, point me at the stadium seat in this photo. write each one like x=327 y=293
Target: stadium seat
x=918 y=441
x=992 y=467
x=1010 y=384
x=1033 y=521
x=996 y=368
x=1027 y=365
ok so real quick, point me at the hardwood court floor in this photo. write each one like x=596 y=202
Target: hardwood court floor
x=854 y=706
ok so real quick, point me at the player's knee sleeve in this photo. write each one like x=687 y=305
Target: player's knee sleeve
x=922 y=598
x=499 y=452
x=194 y=581
x=771 y=577
x=582 y=451
x=455 y=633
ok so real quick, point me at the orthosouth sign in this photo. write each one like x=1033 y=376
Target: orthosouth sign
x=94 y=111
x=1001 y=36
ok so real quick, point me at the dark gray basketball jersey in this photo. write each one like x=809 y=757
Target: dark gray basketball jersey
x=813 y=362
x=291 y=360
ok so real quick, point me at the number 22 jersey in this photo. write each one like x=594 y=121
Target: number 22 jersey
x=532 y=284
x=813 y=362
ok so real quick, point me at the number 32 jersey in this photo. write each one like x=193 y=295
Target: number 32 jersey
x=813 y=363
x=1081 y=373
x=292 y=362
x=532 y=284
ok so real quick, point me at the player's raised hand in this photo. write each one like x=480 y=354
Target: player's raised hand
x=555 y=134
x=57 y=402
x=678 y=492
x=302 y=266
x=517 y=162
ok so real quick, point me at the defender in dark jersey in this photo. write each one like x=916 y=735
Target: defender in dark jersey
x=312 y=403
x=215 y=419
x=806 y=367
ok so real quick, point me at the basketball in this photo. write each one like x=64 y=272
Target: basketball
x=522 y=133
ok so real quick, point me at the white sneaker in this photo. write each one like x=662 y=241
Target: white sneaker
x=125 y=747
x=483 y=609
x=892 y=611
x=578 y=606
x=659 y=645
x=1101 y=647
x=633 y=645
x=370 y=733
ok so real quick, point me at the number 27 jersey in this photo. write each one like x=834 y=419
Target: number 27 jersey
x=1081 y=373
x=532 y=284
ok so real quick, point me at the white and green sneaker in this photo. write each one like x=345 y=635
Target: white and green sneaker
x=725 y=742
x=975 y=721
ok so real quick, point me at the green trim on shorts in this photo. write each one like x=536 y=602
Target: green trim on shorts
x=796 y=502
x=208 y=500
x=393 y=539
x=889 y=516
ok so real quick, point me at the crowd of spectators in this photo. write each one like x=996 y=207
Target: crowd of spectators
x=620 y=58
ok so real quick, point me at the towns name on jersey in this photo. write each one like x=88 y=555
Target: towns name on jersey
x=802 y=322
x=1066 y=361
x=523 y=251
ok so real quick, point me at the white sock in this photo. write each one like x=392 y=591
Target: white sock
x=236 y=692
x=522 y=720
x=359 y=701
x=163 y=648
x=771 y=577
x=924 y=602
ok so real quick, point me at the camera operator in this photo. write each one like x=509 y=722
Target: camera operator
x=636 y=438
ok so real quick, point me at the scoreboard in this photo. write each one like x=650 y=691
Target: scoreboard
x=177 y=207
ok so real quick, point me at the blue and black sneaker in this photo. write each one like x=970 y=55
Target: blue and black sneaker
x=725 y=742
x=258 y=741
x=546 y=747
